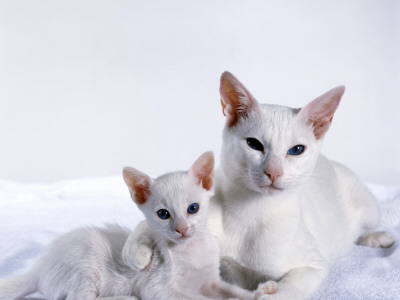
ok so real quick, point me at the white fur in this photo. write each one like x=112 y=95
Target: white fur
x=185 y=268
x=84 y=264
x=90 y=263
x=291 y=228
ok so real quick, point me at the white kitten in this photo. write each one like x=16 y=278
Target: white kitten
x=87 y=263
x=185 y=263
x=281 y=209
x=84 y=264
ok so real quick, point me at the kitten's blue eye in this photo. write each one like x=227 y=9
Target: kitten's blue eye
x=255 y=144
x=163 y=214
x=193 y=208
x=296 y=150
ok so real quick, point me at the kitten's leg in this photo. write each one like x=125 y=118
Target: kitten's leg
x=118 y=298
x=93 y=296
x=82 y=295
x=298 y=284
x=137 y=250
x=180 y=295
x=220 y=289
x=235 y=273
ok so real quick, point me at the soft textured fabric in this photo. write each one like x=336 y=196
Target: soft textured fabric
x=31 y=216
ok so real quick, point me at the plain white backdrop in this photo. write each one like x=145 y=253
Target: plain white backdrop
x=89 y=86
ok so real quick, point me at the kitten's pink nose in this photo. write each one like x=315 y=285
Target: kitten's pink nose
x=181 y=227
x=181 y=230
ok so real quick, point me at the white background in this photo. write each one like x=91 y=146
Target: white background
x=89 y=86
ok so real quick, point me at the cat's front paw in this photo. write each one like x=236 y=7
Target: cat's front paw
x=264 y=289
x=381 y=239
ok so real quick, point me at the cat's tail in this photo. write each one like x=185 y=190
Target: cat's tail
x=17 y=287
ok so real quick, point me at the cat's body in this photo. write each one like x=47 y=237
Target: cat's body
x=89 y=263
x=298 y=210
x=302 y=231
x=283 y=211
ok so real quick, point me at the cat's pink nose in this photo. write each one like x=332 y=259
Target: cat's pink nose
x=273 y=174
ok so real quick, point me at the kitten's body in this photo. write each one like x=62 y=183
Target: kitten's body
x=85 y=263
x=89 y=263
x=281 y=210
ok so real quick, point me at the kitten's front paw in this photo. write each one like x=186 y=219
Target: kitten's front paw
x=137 y=258
x=267 y=288
x=142 y=258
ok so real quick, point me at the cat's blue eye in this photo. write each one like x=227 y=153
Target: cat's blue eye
x=193 y=208
x=296 y=150
x=255 y=144
x=163 y=214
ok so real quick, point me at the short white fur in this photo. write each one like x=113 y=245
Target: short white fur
x=89 y=263
x=280 y=216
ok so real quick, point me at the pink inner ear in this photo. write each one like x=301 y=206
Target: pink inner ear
x=207 y=182
x=203 y=170
x=321 y=128
x=142 y=192
x=236 y=100
x=319 y=113
x=138 y=184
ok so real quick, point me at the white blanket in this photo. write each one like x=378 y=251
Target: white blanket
x=31 y=216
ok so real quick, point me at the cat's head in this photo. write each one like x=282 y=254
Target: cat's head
x=175 y=204
x=271 y=148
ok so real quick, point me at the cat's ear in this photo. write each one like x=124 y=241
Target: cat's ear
x=203 y=170
x=138 y=184
x=319 y=113
x=236 y=100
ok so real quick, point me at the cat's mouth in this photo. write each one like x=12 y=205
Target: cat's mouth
x=270 y=189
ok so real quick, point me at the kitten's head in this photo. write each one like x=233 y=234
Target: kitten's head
x=175 y=204
x=271 y=148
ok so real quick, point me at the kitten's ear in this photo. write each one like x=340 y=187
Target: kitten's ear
x=319 y=113
x=203 y=170
x=138 y=184
x=236 y=100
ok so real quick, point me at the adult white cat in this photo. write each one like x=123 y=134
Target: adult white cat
x=87 y=263
x=287 y=211
x=281 y=210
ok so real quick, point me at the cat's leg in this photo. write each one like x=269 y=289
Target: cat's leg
x=370 y=217
x=381 y=239
x=363 y=208
x=137 y=250
x=298 y=284
x=235 y=273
